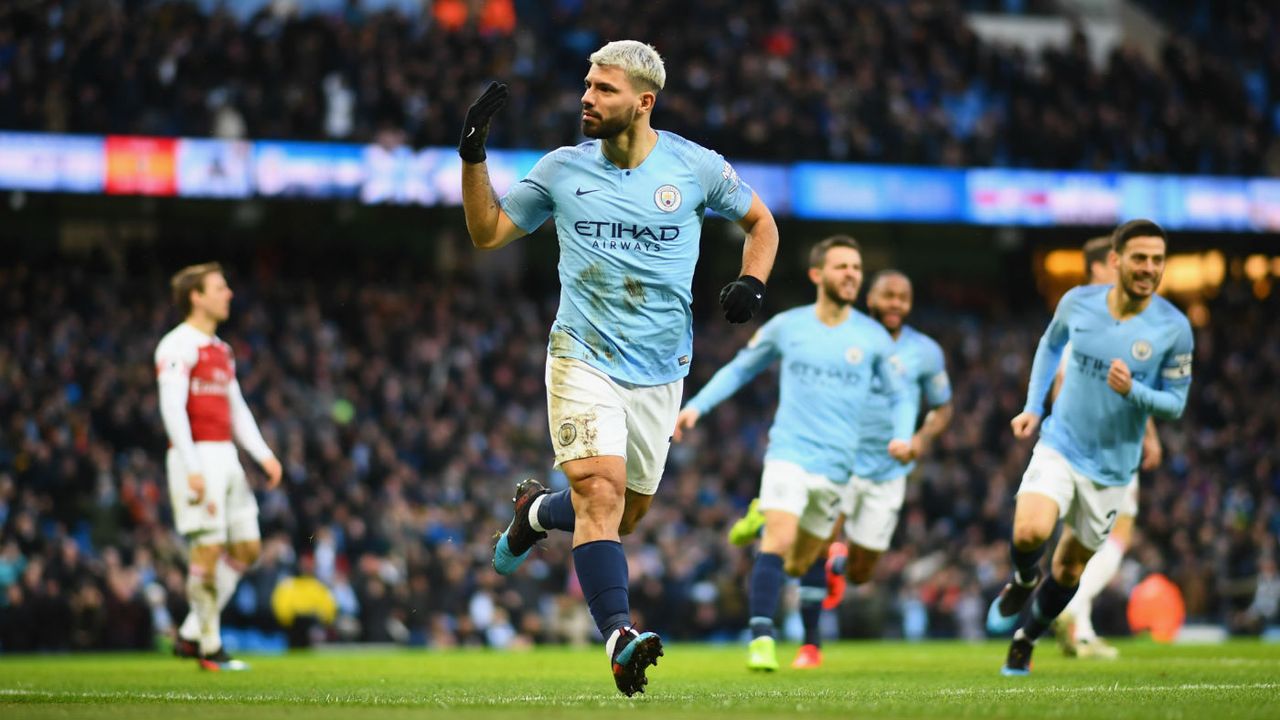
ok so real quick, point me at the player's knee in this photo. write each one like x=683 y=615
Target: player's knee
x=1028 y=537
x=600 y=494
x=243 y=556
x=795 y=568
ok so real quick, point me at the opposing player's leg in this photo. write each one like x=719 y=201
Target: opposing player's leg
x=1046 y=492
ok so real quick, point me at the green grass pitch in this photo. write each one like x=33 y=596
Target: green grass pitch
x=858 y=680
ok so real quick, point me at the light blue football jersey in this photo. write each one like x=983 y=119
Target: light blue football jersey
x=1098 y=430
x=925 y=376
x=825 y=381
x=629 y=240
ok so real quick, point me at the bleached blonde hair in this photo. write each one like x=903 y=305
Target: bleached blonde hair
x=640 y=61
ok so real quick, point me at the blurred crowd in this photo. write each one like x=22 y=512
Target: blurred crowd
x=405 y=408
x=884 y=81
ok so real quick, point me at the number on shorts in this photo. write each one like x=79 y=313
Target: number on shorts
x=1111 y=521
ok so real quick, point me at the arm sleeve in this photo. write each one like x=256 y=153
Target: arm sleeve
x=173 y=374
x=726 y=193
x=529 y=202
x=244 y=427
x=1048 y=355
x=893 y=377
x=1167 y=397
x=759 y=353
x=934 y=382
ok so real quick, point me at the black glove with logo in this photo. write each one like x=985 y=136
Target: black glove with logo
x=741 y=299
x=475 y=129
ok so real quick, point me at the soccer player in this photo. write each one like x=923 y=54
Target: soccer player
x=213 y=505
x=628 y=208
x=879 y=483
x=1073 y=629
x=1130 y=358
x=830 y=355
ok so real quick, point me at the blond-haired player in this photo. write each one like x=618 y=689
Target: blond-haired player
x=203 y=412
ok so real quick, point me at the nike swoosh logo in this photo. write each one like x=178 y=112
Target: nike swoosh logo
x=580 y=192
x=1079 y=329
x=472 y=131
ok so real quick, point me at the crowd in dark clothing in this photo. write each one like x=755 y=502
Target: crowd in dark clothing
x=405 y=406
x=880 y=81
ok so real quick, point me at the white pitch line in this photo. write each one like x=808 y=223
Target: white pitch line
x=427 y=698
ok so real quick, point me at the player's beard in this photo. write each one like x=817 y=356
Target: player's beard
x=609 y=128
x=832 y=291
x=1128 y=280
x=878 y=315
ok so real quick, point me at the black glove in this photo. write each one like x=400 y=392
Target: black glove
x=741 y=299
x=476 y=127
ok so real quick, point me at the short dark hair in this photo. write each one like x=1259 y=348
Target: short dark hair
x=190 y=278
x=1136 y=228
x=1095 y=251
x=887 y=273
x=818 y=255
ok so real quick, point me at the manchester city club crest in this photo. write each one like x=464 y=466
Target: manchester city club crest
x=1141 y=350
x=568 y=433
x=853 y=355
x=667 y=198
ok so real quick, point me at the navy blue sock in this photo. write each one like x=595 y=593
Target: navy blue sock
x=602 y=573
x=1026 y=564
x=556 y=511
x=813 y=590
x=767 y=578
x=1051 y=599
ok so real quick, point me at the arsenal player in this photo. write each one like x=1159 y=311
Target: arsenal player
x=213 y=505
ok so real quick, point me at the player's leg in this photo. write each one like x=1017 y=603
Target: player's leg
x=244 y=539
x=610 y=494
x=807 y=553
x=635 y=507
x=1043 y=497
x=1051 y=599
x=581 y=403
x=202 y=591
x=1088 y=520
x=816 y=590
x=203 y=522
x=870 y=526
x=1074 y=628
x=783 y=498
x=188 y=518
x=598 y=489
x=236 y=526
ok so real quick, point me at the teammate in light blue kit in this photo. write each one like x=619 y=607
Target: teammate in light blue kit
x=1131 y=353
x=879 y=483
x=628 y=208
x=829 y=355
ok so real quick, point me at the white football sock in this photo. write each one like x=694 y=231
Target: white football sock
x=226 y=578
x=1097 y=575
x=533 y=513
x=204 y=603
